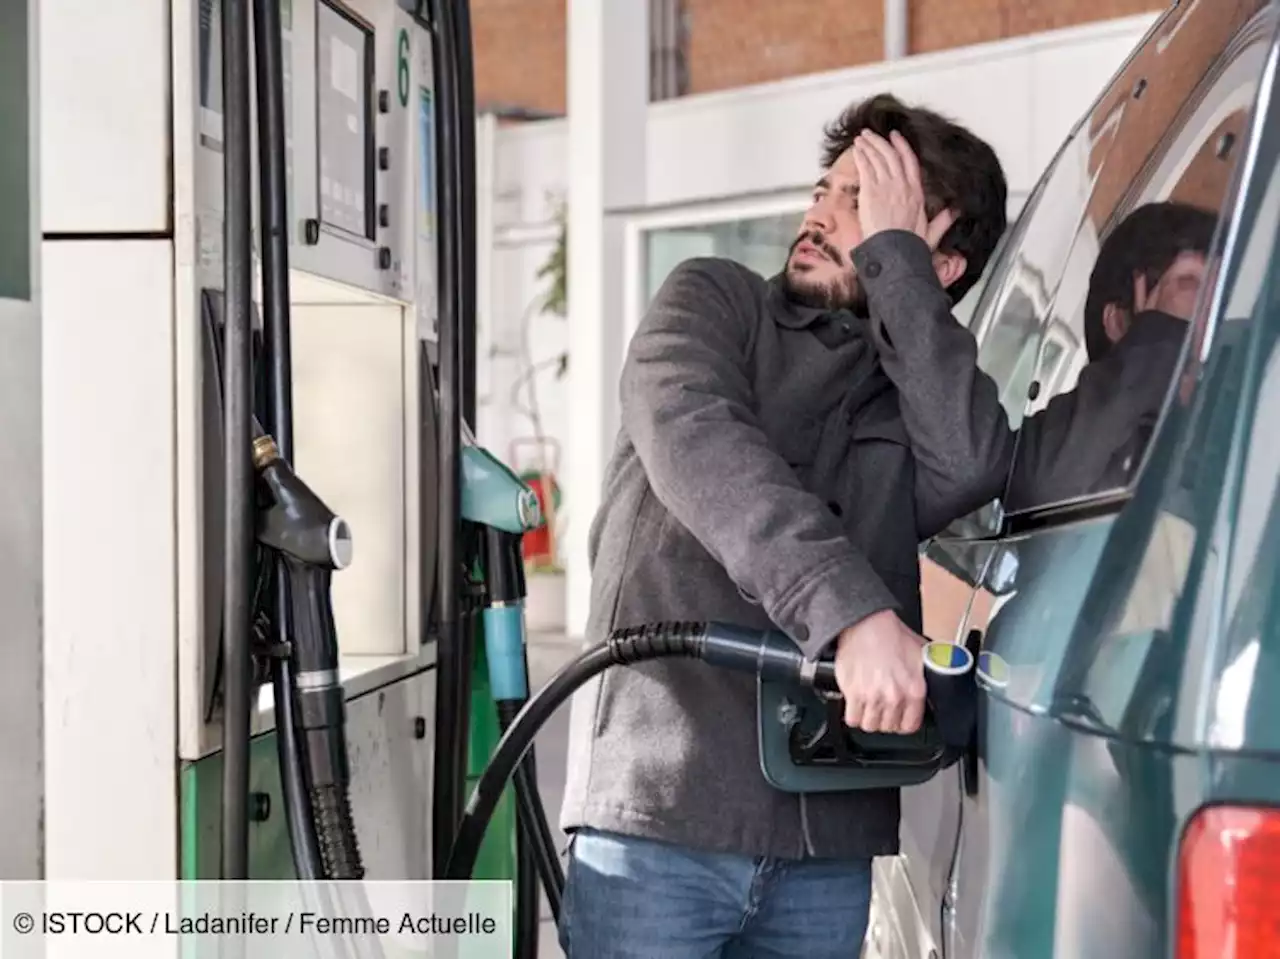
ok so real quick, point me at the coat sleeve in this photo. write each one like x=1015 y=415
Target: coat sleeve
x=959 y=433
x=687 y=405
x=1069 y=448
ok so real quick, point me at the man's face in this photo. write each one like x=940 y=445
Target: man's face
x=819 y=270
x=1175 y=293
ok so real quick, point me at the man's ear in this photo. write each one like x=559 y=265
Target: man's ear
x=1115 y=321
x=949 y=267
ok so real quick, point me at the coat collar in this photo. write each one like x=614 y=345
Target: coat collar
x=794 y=316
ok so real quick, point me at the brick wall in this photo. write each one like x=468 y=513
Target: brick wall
x=519 y=54
x=520 y=44
x=941 y=24
x=735 y=43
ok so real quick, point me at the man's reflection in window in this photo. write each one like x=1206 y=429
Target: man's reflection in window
x=1142 y=292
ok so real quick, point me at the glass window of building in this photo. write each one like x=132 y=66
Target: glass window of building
x=758 y=243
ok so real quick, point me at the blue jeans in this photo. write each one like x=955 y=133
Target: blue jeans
x=629 y=898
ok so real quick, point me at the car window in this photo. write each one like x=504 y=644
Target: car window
x=1009 y=319
x=1009 y=310
x=1017 y=296
x=1136 y=200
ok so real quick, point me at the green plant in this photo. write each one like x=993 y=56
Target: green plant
x=556 y=272
x=556 y=269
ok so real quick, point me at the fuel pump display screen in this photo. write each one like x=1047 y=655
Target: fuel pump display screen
x=344 y=83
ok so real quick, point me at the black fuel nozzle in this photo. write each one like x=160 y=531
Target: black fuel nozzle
x=313 y=542
x=951 y=693
x=297 y=523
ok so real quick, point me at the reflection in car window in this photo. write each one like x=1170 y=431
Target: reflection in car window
x=1019 y=294
x=1133 y=315
x=1091 y=310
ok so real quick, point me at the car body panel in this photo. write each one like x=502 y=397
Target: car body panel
x=1140 y=626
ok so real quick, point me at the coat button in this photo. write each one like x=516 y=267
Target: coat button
x=872 y=269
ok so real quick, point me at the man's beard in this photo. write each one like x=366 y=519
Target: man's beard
x=844 y=293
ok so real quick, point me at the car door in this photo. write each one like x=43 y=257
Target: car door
x=912 y=888
x=957 y=567
x=1035 y=872
x=914 y=891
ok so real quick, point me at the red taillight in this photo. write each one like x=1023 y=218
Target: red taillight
x=1229 y=885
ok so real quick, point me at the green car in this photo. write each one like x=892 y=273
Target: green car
x=1121 y=799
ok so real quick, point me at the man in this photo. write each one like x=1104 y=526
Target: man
x=1142 y=291
x=764 y=476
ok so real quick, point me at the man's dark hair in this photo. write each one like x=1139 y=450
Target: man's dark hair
x=957 y=169
x=1147 y=241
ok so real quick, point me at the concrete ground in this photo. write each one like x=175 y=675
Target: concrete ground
x=548 y=653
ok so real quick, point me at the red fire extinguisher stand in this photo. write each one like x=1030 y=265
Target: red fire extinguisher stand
x=539 y=545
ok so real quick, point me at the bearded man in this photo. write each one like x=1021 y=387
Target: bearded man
x=768 y=473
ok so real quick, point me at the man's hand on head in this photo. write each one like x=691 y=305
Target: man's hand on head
x=891 y=191
x=880 y=671
x=1177 y=290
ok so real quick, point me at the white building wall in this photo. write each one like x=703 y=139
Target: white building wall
x=740 y=154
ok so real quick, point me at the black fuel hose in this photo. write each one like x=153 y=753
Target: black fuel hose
x=508 y=663
x=528 y=898
x=237 y=617
x=322 y=718
x=535 y=831
x=950 y=701
x=277 y=356
x=304 y=842
x=453 y=649
x=743 y=650
x=528 y=889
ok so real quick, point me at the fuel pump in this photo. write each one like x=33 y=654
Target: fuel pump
x=499 y=507
x=283 y=545
x=280 y=543
x=289 y=624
